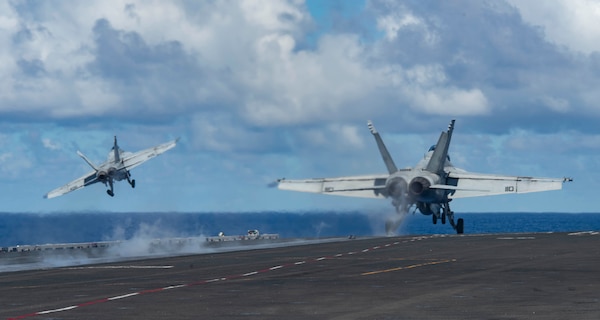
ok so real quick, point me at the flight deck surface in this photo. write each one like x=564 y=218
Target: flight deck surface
x=493 y=276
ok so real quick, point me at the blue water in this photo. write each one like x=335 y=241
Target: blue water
x=27 y=228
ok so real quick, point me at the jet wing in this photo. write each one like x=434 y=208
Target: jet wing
x=135 y=159
x=476 y=184
x=79 y=183
x=357 y=186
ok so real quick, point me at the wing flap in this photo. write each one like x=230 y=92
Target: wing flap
x=475 y=184
x=137 y=158
x=356 y=186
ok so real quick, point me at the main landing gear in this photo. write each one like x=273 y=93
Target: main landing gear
x=131 y=181
x=446 y=213
x=110 y=191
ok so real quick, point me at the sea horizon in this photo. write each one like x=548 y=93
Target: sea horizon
x=95 y=226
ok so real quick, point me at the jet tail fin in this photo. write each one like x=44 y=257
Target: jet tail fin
x=116 y=151
x=438 y=158
x=389 y=162
x=87 y=160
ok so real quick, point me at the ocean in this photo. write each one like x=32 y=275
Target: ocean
x=32 y=229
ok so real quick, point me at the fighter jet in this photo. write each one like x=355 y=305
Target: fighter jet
x=116 y=168
x=428 y=187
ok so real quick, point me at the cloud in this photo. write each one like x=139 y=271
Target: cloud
x=402 y=18
x=299 y=87
x=451 y=102
x=49 y=144
x=246 y=59
x=259 y=89
x=556 y=104
x=13 y=163
x=426 y=87
x=569 y=23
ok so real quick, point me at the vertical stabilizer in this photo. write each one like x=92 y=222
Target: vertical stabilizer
x=389 y=163
x=116 y=151
x=438 y=158
x=88 y=161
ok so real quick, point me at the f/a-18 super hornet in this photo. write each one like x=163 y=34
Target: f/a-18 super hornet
x=116 y=168
x=428 y=187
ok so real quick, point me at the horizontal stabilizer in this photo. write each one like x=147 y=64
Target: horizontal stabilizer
x=447 y=187
x=357 y=186
x=476 y=184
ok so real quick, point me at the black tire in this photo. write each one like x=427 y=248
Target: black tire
x=460 y=223
x=443 y=218
x=434 y=218
x=110 y=193
x=133 y=183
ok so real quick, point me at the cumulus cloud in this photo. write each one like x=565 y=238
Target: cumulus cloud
x=293 y=87
x=153 y=61
x=451 y=102
x=264 y=79
x=569 y=23
x=119 y=63
x=403 y=18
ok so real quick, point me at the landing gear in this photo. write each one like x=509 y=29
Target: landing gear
x=131 y=181
x=447 y=213
x=460 y=226
x=434 y=209
x=110 y=191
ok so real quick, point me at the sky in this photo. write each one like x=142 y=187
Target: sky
x=260 y=90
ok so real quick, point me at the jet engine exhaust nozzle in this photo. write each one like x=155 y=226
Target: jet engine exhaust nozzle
x=418 y=186
x=397 y=187
x=102 y=175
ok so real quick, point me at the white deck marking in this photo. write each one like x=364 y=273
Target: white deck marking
x=124 y=296
x=144 y=292
x=57 y=310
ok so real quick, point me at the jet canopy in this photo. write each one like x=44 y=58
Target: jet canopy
x=433 y=148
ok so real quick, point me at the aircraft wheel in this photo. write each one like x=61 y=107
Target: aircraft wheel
x=133 y=183
x=443 y=218
x=110 y=193
x=460 y=226
x=434 y=218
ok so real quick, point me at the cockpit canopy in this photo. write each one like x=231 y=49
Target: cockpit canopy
x=433 y=148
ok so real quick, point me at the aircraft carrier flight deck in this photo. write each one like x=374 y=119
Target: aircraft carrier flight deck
x=492 y=276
